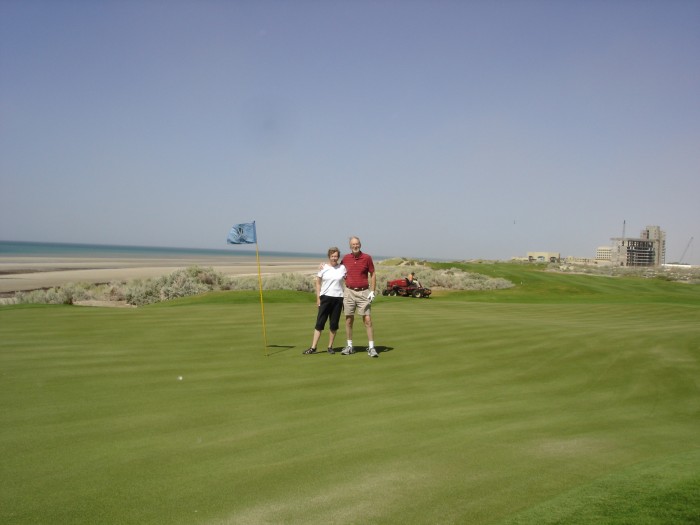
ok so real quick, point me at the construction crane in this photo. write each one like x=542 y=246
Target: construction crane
x=685 y=251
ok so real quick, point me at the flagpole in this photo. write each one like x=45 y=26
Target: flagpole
x=262 y=304
x=246 y=233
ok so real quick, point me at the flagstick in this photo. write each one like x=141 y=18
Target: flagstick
x=262 y=304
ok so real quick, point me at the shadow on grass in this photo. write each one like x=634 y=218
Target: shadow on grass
x=282 y=348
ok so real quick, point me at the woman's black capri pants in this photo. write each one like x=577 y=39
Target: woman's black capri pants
x=329 y=307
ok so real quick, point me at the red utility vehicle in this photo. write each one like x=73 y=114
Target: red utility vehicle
x=406 y=289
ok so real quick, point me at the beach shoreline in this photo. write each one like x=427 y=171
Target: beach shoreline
x=26 y=273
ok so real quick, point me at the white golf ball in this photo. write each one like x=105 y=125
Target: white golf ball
x=179 y=378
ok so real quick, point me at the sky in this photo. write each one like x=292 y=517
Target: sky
x=431 y=129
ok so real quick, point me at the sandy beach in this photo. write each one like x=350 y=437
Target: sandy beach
x=23 y=273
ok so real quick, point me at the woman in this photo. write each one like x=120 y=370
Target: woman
x=329 y=298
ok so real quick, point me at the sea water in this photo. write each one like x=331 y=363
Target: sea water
x=50 y=249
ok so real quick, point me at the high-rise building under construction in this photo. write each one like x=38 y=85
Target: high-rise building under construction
x=649 y=249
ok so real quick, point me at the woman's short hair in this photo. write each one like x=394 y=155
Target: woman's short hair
x=332 y=250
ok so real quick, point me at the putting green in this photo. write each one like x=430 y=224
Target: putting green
x=475 y=412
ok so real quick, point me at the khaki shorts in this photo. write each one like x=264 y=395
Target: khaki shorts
x=353 y=301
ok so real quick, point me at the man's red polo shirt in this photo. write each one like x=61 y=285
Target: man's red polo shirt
x=358 y=268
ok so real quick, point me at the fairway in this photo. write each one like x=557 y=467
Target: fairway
x=479 y=412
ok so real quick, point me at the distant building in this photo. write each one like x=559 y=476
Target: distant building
x=649 y=249
x=603 y=253
x=543 y=257
x=571 y=259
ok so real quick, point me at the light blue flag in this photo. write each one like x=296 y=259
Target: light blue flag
x=243 y=233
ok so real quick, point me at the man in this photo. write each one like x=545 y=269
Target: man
x=360 y=286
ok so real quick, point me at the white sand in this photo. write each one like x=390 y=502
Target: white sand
x=31 y=273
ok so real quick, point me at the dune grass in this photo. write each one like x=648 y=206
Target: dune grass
x=570 y=402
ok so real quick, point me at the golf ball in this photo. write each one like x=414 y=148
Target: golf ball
x=179 y=378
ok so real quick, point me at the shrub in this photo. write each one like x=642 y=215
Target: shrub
x=186 y=282
x=449 y=279
x=68 y=294
x=285 y=281
x=139 y=292
x=195 y=280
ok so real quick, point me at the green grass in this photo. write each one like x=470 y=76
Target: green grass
x=568 y=399
x=533 y=284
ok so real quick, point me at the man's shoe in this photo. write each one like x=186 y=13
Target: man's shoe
x=347 y=350
x=310 y=351
x=372 y=352
x=330 y=350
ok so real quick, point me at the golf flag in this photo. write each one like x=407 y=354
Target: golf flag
x=243 y=233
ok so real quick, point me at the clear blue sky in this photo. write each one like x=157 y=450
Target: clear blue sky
x=435 y=129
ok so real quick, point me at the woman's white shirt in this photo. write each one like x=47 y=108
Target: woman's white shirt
x=332 y=280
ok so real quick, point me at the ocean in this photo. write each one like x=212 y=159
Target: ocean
x=50 y=249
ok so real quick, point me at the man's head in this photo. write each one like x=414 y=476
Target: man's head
x=355 y=245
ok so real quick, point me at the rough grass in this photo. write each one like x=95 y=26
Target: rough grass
x=577 y=405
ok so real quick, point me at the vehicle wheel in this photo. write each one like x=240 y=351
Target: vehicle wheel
x=392 y=293
x=417 y=294
x=385 y=292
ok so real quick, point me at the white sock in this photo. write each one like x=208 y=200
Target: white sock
x=371 y=344
x=349 y=342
